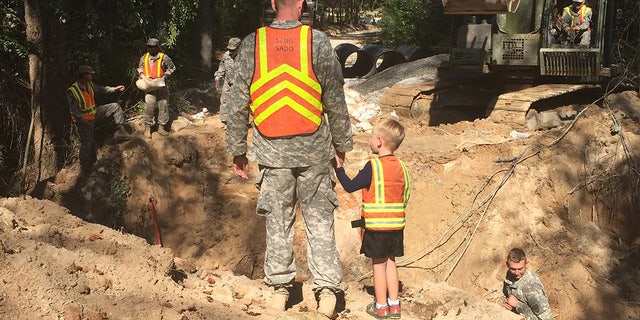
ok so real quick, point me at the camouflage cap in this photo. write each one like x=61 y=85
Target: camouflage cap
x=233 y=43
x=84 y=69
x=153 y=42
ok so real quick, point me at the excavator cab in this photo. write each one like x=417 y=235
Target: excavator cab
x=526 y=35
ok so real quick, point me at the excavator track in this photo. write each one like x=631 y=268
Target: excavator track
x=417 y=100
x=512 y=107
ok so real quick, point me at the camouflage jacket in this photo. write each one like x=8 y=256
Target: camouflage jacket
x=225 y=69
x=334 y=133
x=533 y=303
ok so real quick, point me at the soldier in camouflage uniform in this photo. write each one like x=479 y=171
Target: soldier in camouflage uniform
x=293 y=168
x=523 y=291
x=224 y=73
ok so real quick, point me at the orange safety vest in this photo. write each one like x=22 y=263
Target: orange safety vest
x=285 y=93
x=384 y=202
x=583 y=10
x=154 y=70
x=86 y=100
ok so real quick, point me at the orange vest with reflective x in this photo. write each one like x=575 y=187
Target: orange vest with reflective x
x=153 y=70
x=285 y=93
x=86 y=100
x=384 y=202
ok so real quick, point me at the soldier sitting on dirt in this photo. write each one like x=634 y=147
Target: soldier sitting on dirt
x=385 y=191
x=523 y=291
x=84 y=111
x=576 y=22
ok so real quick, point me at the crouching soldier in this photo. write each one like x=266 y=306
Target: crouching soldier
x=523 y=291
x=85 y=112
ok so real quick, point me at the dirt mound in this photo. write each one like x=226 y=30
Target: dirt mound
x=570 y=202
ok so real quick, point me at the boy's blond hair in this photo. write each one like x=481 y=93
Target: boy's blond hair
x=391 y=131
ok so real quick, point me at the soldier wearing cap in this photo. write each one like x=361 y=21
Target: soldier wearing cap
x=576 y=22
x=156 y=64
x=523 y=291
x=225 y=72
x=287 y=76
x=84 y=111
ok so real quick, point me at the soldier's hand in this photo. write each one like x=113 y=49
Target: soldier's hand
x=119 y=88
x=511 y=302
x=241 y=166
x=339 y=159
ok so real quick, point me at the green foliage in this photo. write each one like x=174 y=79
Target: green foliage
x=181 y=12
x=419 y=22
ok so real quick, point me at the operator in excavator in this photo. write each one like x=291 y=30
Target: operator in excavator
x=576 y=22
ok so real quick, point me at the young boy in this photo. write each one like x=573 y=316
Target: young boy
x=385 y=190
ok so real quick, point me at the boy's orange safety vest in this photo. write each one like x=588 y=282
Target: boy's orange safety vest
x=154 y=70
x=285 y=93
x=85 y=99
x=384 y=203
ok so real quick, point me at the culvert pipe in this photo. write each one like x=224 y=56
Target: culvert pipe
x=411 y=52
x=386 y=57
x=364 y=65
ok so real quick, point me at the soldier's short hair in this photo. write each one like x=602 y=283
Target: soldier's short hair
x=516 y=255
x=391 y=130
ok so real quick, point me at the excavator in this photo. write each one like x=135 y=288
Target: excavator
x=508 y=56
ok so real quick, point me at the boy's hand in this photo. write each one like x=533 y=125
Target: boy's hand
x=339 y=159
x=241 y=166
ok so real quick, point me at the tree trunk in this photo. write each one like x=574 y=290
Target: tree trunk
x=44 y=156
x=36 y=44
x=205 y=26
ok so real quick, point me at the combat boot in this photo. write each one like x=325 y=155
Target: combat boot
x=162 y=131
x=278 y=301
x=147 y=131
x=327 y=304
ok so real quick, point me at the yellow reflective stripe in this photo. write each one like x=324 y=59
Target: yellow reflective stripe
x=159 y=64
x=392 y=205
x=282 y=86
x=280 y=70
x=286 y=101
x=304 y=58
x=407 y=182
x=383 y=223
x=378 y=180
x=262 y=39
x=146 y=64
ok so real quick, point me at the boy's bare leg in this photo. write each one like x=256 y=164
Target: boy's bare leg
x=393 y=284
x=380 y=280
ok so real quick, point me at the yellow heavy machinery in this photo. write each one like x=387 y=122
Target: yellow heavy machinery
x=508 y=55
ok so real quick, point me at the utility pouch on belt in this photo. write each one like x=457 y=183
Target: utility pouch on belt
x=357 y=223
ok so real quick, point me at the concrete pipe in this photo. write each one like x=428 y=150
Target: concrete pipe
x=362 y=67
x=384 y=57
x=411 y=52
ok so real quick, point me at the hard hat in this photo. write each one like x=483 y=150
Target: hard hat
x=153 y=42
x=233 y=43
x=579 y=1
x=84 y=69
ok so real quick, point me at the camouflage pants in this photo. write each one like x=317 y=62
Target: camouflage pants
x=85 y=131
x=224 y=101
x=158 y=99
x=312 y=187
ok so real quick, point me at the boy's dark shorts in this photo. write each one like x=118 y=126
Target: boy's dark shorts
x=382 y=244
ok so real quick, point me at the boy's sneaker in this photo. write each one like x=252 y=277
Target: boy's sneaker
x=394 y=311
x=382 y=313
